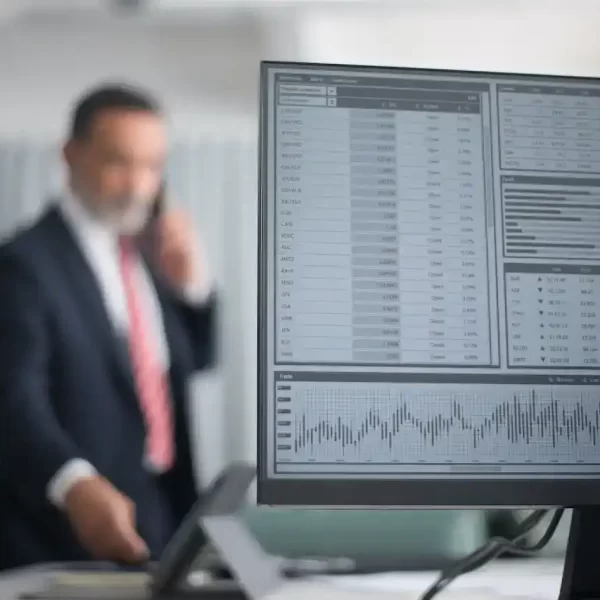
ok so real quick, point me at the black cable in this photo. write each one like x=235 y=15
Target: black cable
x=496 y=547
x=485 y=553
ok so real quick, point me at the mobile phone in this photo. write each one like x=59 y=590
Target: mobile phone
x=158 y=205
x=147 y=238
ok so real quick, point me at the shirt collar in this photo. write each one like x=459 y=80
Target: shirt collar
x=84 y=225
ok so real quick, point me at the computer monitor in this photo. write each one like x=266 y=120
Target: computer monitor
x=429 y=288
x=429 y=299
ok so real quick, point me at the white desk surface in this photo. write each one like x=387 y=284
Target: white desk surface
x=537 y=579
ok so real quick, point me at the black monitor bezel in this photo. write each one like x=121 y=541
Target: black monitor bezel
x=400 y=493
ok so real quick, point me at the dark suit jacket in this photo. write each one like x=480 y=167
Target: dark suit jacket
x=66 y=391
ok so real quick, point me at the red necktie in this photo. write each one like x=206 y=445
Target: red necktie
x=149 y=377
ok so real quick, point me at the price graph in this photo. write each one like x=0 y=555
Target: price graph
x=404 y=423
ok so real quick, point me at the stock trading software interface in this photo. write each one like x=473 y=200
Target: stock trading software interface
x=430 y=273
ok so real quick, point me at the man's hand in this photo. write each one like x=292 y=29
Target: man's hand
x=104 y=521
x=177 y=254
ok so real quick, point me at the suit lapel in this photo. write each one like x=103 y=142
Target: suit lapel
x=84 y=285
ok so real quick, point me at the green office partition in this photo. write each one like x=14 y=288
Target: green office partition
x=383 y=533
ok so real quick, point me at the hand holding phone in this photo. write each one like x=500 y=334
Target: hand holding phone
x=176 y=251
x=169 y=242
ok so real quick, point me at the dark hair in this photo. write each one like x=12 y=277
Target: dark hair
x=109 y=97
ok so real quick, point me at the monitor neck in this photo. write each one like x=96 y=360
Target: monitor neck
x=581 y=576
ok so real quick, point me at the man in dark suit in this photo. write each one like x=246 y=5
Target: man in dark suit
x=98 y=342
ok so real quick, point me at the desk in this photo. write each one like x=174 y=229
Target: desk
x=19 y=581
x=31 y=579
x=537 y=579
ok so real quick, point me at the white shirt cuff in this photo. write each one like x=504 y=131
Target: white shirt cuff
x=67 y=476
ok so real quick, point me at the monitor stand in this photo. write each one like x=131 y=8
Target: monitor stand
x=581 y=576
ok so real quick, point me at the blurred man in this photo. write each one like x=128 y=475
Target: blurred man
x=98 y=342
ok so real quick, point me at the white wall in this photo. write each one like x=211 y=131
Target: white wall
x=207 y=70
x=535 y=36
x=201 y=73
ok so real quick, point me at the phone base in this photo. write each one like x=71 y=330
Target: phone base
x=213 y=554
x=257 y=573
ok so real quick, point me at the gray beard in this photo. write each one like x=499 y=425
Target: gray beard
x=129 y=221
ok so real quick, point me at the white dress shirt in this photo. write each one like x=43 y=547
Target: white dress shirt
x=99 y=246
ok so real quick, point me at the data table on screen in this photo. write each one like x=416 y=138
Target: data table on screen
x=552 y=316
x=549 y=128
x=350 y=268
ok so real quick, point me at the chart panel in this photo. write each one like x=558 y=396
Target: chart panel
x=551 y=217
x=346 y=424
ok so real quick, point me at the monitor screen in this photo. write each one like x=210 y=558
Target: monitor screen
x=429 y=287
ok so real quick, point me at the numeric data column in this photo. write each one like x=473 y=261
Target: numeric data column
x=374 y=231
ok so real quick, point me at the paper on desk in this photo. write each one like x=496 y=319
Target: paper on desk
x=92 y=579
x=532 y=580
x=329 y=590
